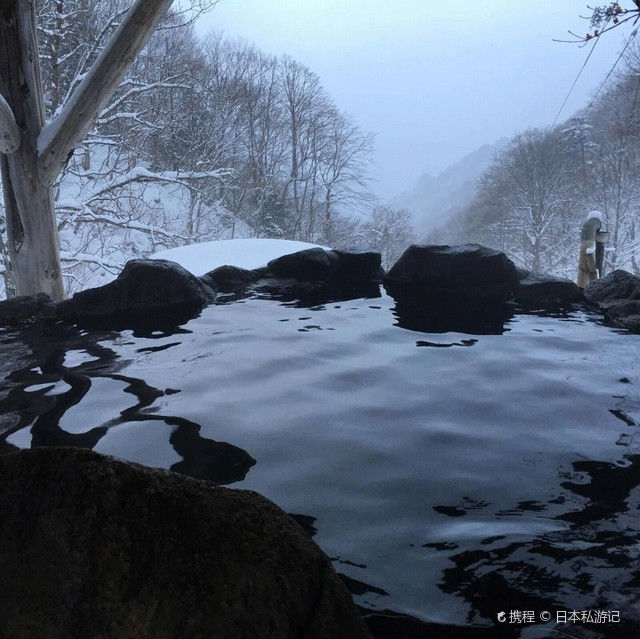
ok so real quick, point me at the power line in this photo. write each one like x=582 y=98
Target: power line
x=615 y=64
x=573 y=86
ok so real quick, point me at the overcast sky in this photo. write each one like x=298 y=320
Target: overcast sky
x=432 y=80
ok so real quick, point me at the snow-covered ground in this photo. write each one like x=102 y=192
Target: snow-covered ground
x=245 y=253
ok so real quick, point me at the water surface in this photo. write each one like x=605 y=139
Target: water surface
x=449 y=475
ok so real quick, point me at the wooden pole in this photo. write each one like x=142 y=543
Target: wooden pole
x=34 y=154
x=587 y=271
x=31 y=228
x=9 y=131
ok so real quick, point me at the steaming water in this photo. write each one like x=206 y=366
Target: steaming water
x=450 y=476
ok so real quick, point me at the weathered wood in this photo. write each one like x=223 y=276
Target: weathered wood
x=9 y=131
x=67 y=130
x=41 y=152
x=587 y=269
x=31 y=228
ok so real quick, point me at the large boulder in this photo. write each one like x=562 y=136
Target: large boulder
x=150 y=292
x=315 y=276
x=26 y=309
x=95 y=547
x=229 y=279
x=355 y=266
x=541 y=289
x=468 y=273
x=310 y=265
x=618 y=285
x=617 y=295
x=336 y=267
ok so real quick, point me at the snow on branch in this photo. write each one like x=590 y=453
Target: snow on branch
x=58 y=139
x=139 y=88
x=140 y=175
x=74 y=259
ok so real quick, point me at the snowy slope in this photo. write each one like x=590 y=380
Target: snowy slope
x=245 y=253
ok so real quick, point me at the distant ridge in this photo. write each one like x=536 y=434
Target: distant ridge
x=434 y=200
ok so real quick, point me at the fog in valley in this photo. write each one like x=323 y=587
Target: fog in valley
x=432 y=80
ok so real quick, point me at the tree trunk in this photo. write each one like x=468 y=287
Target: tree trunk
x=29 y=172
x=328 y=223
x=31 y=227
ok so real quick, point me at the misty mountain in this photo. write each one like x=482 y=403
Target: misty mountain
x=434 y=200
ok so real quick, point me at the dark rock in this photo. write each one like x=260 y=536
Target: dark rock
x=316 y=276
x=539 y=289
x=229 y=279
x=469 y=272
x=309 y=265
x=624 y=313
x=147 y=292
x=618 y=285
x=95 y=547
x=29 y=308
x=356 y=266
x=617 y=295
x=337 y=267
x=291 y=288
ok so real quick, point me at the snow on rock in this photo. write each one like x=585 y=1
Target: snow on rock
x=245 y=253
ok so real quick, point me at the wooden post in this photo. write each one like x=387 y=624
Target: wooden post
x=34 y=154
x=587 y=269
x=31 y=227
x=601 y=240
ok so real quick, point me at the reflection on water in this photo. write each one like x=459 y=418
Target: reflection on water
x=45 y=413
x=445 y=316
x=451 y=470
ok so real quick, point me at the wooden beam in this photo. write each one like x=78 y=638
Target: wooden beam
x=58 y=139
x=9 y=131
x=31 y=227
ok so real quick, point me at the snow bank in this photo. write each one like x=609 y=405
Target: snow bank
x=245 y=253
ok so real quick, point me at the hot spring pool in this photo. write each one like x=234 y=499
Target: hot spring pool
x=450 y=476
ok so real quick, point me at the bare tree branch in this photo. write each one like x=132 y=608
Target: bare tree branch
x=58 y=139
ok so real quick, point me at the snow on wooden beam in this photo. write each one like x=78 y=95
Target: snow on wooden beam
x=9 y=131
x=58 y=139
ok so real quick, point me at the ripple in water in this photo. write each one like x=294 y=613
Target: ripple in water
x=450 y=476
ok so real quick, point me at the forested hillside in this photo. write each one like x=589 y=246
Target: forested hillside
x=207 y=138
x=435 y=200
x=534 y=197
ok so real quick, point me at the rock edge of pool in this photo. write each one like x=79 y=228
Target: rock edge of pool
x=88 y=547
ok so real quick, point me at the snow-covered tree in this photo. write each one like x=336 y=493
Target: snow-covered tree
x=389 y=232
x=199 y=140
x=43 y=148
